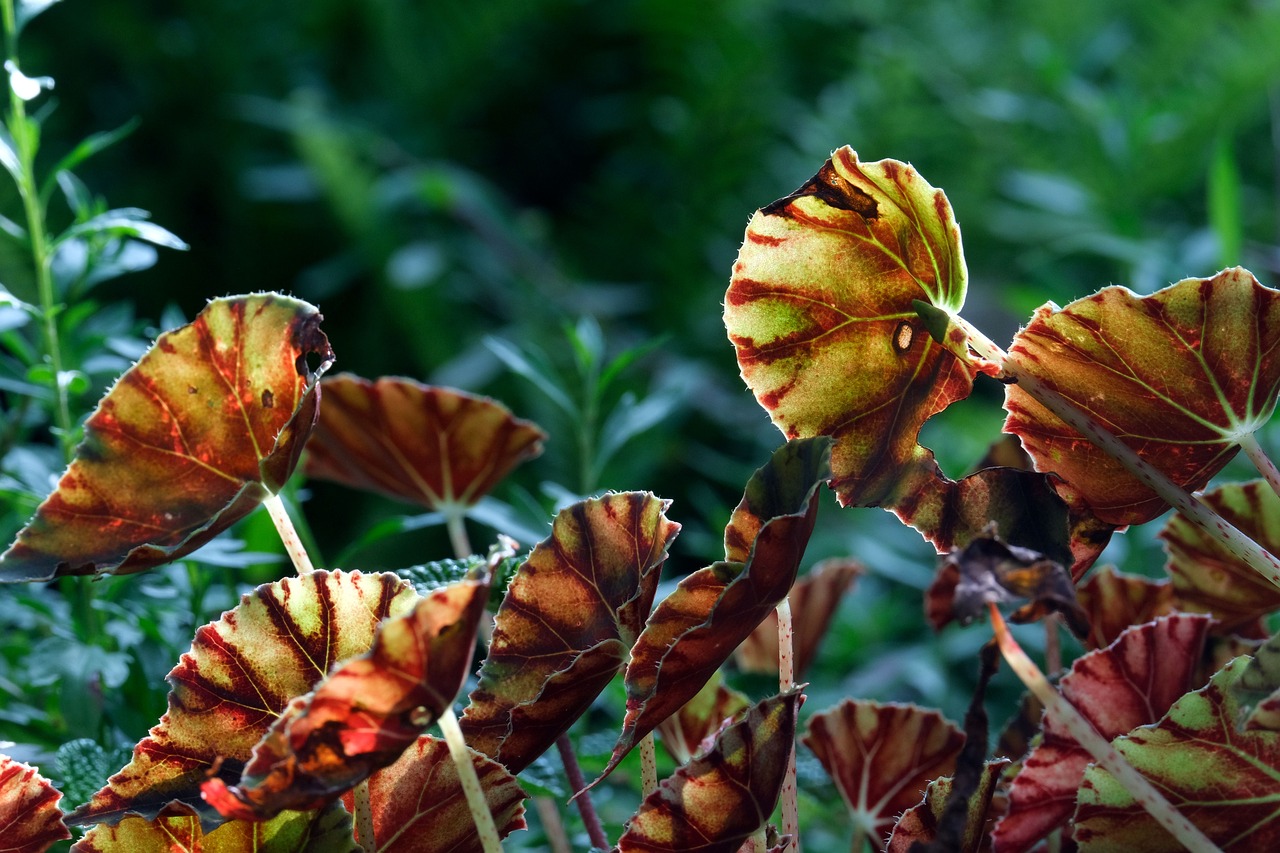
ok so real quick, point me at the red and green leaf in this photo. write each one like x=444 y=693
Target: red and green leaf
x=427 y=445
x=1257 y=691
x=30 y=819
x=719 y=800
x=365 y=714
x=690 y=730
x=1220 y=778
x=820 y=311
x=1208 y=578
x=177 y=829
x=1179 y=376
x=695 y=629
x=1129 y=683
x=418 y=805
x=239 y=675
x=813 y=600
x=208 y=423
x=882 y=757
x=1115 y=601
x=921 y=823
x=567 y=624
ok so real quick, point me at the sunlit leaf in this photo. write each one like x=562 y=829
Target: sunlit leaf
x=882 y=757
x=365 y=714
x=1127 y=684
x=690 y=730
x=177 y=829
x=567 y=624
x=418 y=805
x=189 y=440
x=1207 y=578
x=29 y=816
x=1115 y=601
x=1221 y=779
x=426 y=445
x=695 y=629
x=820 y=311
x=813 y=601
x=920 y=823
x=239 y=675
x=716 y=802
x=1179 y=376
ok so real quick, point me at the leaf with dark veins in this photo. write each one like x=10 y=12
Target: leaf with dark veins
x=208 y=423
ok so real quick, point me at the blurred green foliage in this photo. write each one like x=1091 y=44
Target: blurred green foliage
x=438 y=174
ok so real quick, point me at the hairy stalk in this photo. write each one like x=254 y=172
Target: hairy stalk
x=364 y=818
x=288 y=535
x=787 y=680
x=578 y=783
x=648 y=765
x=1199 y=513
x=1147 y=794
x=25 y=141
x=1261 y=461
x=479 y=806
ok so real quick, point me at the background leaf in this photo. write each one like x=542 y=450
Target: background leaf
x=882 y=757
x=208 y=423
x=433 y=446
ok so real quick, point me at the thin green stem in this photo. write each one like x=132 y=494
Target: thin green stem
x=1261 y=461
x=1143 y=791
x=476 y=802
x=1199 y=513
x=364 y=818
x=25 y=141
x=289 y=536
x=552 y=825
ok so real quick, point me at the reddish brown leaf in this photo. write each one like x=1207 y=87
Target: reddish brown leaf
x=567 y=623
x=820 y=311
x=715 y=803
x=1130 y=683
x=695 y=629
x=189 y=440
x=1178 y=376
x=919 y=824
x=426 y=445
x=418 y=805
x=367 y=712
x=882 y=757
x=238 y=676
x=1221 y=779
x=177 y=829
x=1114 y=601
x=30 y=820
x=1209 y=579
x=813 y=600
x=690 y=730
